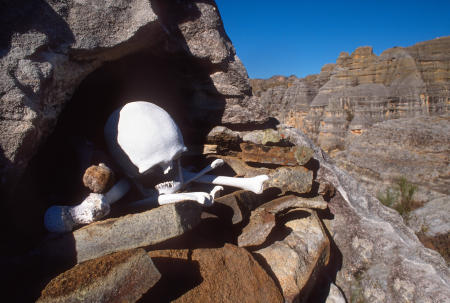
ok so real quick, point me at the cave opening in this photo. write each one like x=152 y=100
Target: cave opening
x=178 y=83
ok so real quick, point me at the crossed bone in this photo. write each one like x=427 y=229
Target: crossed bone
x=96 y=206
x=141 y=136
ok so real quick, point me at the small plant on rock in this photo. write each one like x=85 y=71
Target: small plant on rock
x=399 y=197
x=388 y=198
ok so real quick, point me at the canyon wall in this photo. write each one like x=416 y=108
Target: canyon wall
x=361 y=89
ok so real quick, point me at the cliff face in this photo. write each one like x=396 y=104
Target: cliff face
x=361 y=89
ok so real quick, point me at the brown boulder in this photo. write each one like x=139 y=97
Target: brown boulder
x=119 y=277
x=227 y=274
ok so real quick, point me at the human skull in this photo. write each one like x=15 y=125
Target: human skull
x=141 y=136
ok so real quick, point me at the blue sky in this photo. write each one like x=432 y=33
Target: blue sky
x=295 y=37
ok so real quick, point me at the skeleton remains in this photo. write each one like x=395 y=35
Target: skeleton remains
x=146 y=143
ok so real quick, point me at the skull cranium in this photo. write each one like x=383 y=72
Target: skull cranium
x=141 y=136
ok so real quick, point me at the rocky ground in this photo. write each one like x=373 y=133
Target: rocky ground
x=311 y=229
x=315 y=234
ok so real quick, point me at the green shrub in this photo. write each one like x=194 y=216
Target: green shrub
x=399 y=197
x=388 y=198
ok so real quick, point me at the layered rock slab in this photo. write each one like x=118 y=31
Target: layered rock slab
x=127 y=232
x=262 y=219
x=297 y=260
x=227 y=274
x=119 y=277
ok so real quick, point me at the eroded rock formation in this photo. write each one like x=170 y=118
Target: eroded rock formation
x=361 y=89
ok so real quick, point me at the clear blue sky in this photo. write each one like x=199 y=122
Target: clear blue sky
x=295 y=37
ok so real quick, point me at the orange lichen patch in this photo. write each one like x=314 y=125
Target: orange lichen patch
x=357 y=131
x=275 y=154
x=84 y=274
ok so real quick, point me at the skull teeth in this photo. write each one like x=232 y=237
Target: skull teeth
x=168 y=187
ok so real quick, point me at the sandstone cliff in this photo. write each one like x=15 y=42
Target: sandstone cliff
x=361 y=89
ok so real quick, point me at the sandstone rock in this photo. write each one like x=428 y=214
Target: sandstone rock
x=119 y=277
x=258 y=228
x=244 y=111
x=297 y=259
x=432 y=218
x=275 y=154
x=381 y=257
x=224 y=137
x=416 y=148
x=278 y=205
x=98 y=178
x=294 y=179
x=131 y=231
x=262 y=219
x=228 y=274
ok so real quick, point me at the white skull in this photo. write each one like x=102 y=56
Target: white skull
x=141 y=135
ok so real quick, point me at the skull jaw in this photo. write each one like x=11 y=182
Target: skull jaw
x=163 y=177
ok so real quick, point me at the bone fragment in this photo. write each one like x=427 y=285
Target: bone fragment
x=199 y=197
x=96 y=206
x=255 y=184
x=288 y=179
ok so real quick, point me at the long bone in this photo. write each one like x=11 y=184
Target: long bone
x=64 y=218
x=173 y=187
x=200 y=197
x=254 y=184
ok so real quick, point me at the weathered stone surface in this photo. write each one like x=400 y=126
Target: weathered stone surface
x=258 y=228
x=296 y=260
x=380 y=255
x=295 y=179
x=119 y=277
x=432 y=218
x=228 y=274
x=278 y=205
x=131 y=231
x=246 y=111
x=262 y=219
x=275 y=154
x=415 y=148
x=98 y=178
